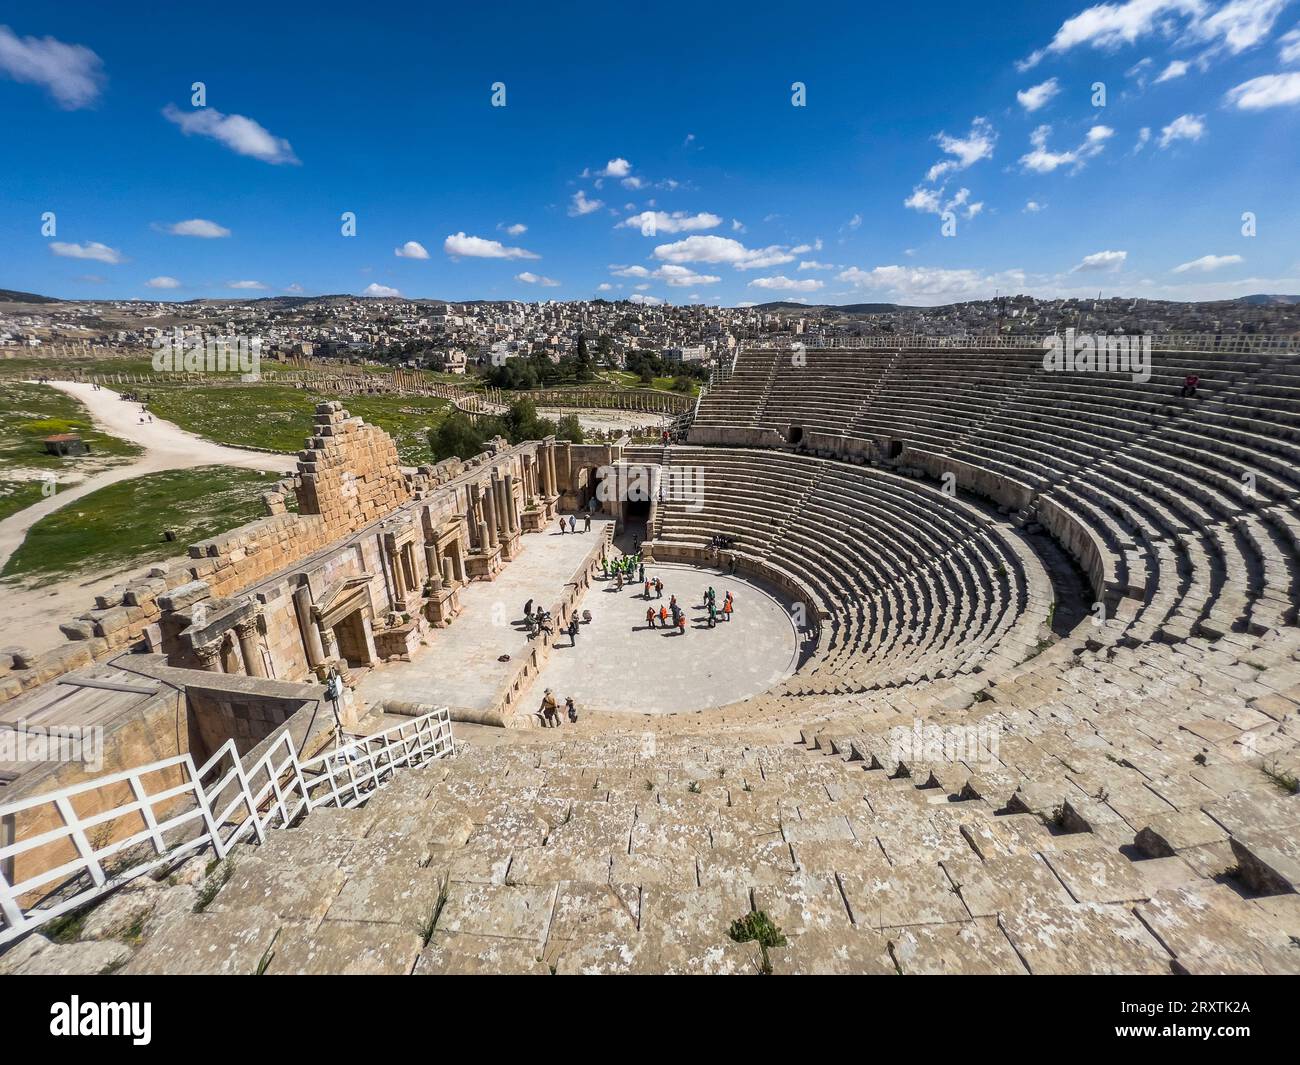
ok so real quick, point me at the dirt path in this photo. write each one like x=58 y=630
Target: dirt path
x=31 y=615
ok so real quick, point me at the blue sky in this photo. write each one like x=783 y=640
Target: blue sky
x=653 y=154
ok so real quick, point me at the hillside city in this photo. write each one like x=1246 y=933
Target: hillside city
x=451 y=336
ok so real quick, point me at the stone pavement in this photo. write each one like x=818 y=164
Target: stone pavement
x=620 y=664
x=459 y=667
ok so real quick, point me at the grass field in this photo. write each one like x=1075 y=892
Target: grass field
x=279 y=417
x=30 y=413
x=121 y=526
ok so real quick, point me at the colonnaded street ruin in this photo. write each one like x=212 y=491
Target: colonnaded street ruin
x=982 y=666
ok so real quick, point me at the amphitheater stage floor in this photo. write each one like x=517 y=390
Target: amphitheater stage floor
x=622 y=665
x=459 y=667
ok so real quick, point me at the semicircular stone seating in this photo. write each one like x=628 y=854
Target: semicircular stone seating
x=1094 y=577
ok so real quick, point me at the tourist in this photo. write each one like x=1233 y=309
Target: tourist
x=681 y=624
x=618 y=586
x=726 y=609
x=573 y=523
x=563 y=530
x=586 y=522
x=659 y=588
x=572 y=708
x=713 y=615
x=604 y=565
x=573 y=632
x=647 y=589
x=586 y=617
x=643 y=572
x=1190 y=383
x=663 y=616
x=549 y=710
x=650 y=617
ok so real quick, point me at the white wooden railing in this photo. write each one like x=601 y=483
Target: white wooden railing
x=216 y=805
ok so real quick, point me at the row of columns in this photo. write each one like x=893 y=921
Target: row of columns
x=209 y=654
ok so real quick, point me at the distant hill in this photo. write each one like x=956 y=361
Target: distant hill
x=10 y=296
x=1262 y=300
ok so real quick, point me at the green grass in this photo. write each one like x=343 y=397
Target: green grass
x=660 y=384
x=30 y=413
x=279 y=418
x=121 y=526
x=53 y=366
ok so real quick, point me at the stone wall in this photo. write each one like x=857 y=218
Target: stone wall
x=353 y=499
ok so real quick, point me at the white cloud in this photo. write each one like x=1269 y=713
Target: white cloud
x=197 y=227
x=928 y=285
x=712 y=249
x=811 y=264
x=1206 y=263
x=412 y=249
x=1042 y=160
x=1040 y=95
x=241 y=135
x=651 y=223
x=1033 y=207
x=1176 y=69
x=1234 y=27
x=71 y=73
x=1269 y=90
x=581 y=205
x=671 y=274
x=1109 y=25
x=517 y=229
x=604 y=286
x=257 y=285
x=632 y=183
x=782 y=283
x=737 y=226
x=1239 y=24
x=1101 y=260
x=646 y=301
x=931 y=201
x=1183 y=128
x=530 y=278
x=923 y=199
x=1144 y=135
x=615 y=168
x=101 y=253
x=374 y=289
x=965 y=151
x=458 y=244
x=163 y=282
x=1288 y=46
x=294 y=288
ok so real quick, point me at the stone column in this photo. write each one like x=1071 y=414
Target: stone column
x=308 y=629
x=210 y=656
x=511 y=510
x=503 y=506
x=433 y=564
x=550 y=466
x=471 y=517
x=490 y=516
x=246 y=633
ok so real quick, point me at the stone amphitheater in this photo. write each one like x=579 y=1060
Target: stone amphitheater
x=1042 y=717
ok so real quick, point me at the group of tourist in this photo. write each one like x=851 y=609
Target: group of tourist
x=625 y=569
x=572 y=522
x=549 y=711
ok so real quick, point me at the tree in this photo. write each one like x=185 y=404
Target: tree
x=570 y=429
